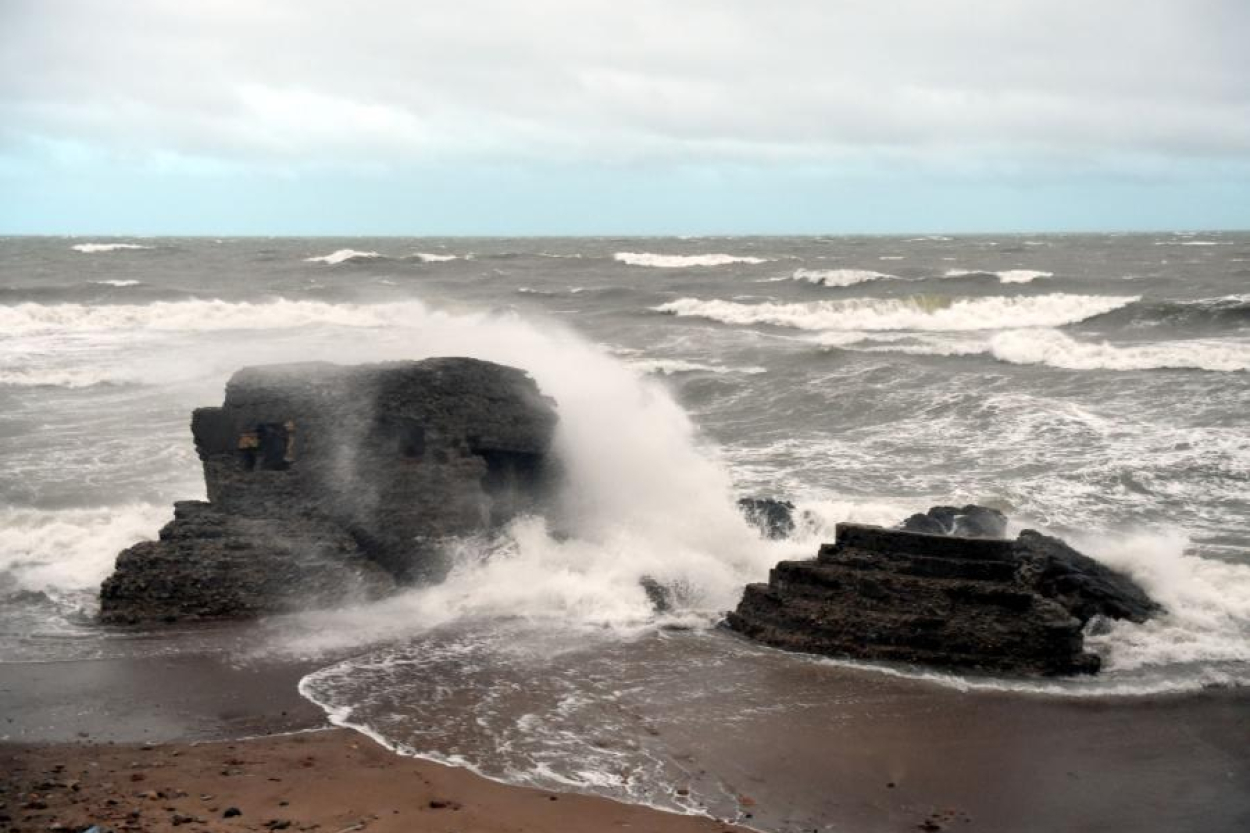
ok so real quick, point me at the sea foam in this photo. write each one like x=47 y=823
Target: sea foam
x=838 y=277
x=915 y=313
x=1004 y=276
x=343 y=256
x=92 y=248
x=659 y=261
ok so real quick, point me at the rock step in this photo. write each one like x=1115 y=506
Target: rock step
x=901 y=542
x=842 y=584
x=919 y=565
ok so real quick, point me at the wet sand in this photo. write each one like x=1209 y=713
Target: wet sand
x=886 y=754
x=334 y=781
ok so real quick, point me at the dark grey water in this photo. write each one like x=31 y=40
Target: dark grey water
x=1094 y=386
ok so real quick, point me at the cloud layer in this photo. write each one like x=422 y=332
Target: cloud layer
x=987 y=91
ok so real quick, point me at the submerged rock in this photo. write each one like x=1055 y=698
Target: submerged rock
x=970 y=521
x=975 y=602
x=328 y=483
x=773 y=518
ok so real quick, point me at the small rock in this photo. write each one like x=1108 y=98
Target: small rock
x=231 y=812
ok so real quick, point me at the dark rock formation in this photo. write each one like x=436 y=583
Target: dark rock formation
x=970 y=521
x=327 y=483
x=986 y=603
x=1081 y=584
x=773 y=518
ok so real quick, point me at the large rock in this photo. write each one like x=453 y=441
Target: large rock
x=773 y=518
x=969 y=521
x=974 y=602
x=327 y=483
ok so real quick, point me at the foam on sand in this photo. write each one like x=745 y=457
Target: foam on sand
x=658 y=261
x=914 y=313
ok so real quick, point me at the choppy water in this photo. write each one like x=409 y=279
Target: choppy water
x=1094 y=386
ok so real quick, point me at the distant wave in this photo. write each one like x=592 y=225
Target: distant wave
x=1056 y=349
x=1225 y=310
x=838 y=277
x=1193 y=243
x=426 y=257
x=1004 y=276
x=117 y=283
x=64 y=377
x=342 y=256
x=25 y=319
x=682 y=261
x=915 y=313
x=668 y=367
x=91 y=248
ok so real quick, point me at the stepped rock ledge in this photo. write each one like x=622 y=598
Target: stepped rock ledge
x=328 y=484
x=968 y=600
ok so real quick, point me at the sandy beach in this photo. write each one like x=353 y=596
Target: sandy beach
x=333 y=780
x=155 y=735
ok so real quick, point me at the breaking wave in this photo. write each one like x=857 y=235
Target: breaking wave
x=91 y=248
x=427 y=257
x=117 y=283
x=837 y=277
x=669 y=367
x=25 y=319
x=1056 y=349
x=343 y=256
x=682 y=261
x=915 y=313
x=1004 y=276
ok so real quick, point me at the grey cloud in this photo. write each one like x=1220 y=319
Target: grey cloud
x=620 y=83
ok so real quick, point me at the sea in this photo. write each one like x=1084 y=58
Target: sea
x=1095 y=387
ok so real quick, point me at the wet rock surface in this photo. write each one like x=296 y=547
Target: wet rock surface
x=990 y=603
x=773 y=518
x=329 y=483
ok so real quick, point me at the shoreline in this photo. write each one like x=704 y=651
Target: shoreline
x=333 y=780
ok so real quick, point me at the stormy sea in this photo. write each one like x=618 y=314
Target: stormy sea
x=1095 y=387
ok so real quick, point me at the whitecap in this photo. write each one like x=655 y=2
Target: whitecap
x=91 y=248
x=117 y=283
x=915 y=313
x=838 y=277
x=1004 y=276
x=427 y=257
x=659 y=261
x=342 y=256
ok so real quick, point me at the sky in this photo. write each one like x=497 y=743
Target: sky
x=481 y=117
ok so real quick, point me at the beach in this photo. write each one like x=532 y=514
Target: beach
x=885 y=754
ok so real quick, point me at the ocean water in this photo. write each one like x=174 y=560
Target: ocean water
x=1096 y=387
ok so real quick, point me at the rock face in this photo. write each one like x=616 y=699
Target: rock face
x=327 y=483
x=974 y=602
x=970 y=521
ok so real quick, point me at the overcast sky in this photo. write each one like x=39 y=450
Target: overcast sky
x=673 y=116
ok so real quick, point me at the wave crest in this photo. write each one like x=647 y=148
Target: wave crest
x=658 y=261
x=915 y=313
x=343 y=256
x=92 y=248
x=838 y=277
x=1004 y=276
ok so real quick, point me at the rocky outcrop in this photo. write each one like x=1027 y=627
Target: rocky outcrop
x=327 y=483
x=773 y=518
x=969 y=521
x=973 y=602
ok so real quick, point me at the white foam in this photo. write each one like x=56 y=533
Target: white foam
x=91 y=248
x=117 y=283
x=1004 y=276
x=427 y=257
x=667 y=367
x=192 y=316
x=915 y=313
x=1056 y=349
x=71 y=549
x=659 y=261
x=342 y=256
x=838 y=277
